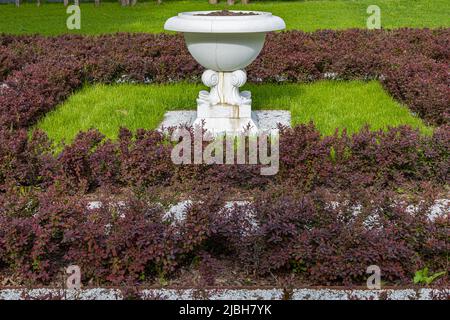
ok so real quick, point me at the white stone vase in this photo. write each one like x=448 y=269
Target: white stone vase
x=225 y=45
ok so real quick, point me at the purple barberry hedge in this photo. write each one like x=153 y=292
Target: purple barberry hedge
x=297 y=227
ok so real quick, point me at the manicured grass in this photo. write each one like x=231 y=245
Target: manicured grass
x=330 y=104
x=108 y=107
x=50 y=18
x=333 y=104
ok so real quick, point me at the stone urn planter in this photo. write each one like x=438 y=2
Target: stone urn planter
x=225 y=42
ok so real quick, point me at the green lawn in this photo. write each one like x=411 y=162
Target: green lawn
x=330 y=104
x=50 y=19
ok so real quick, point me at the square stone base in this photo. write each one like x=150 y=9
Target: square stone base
x=264 y=120
x=205 y=111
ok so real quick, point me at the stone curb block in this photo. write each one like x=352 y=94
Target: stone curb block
x=228 y=294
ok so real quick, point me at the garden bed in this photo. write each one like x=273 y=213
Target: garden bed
x=45 y=222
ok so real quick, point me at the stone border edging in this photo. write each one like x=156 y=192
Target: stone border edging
x=228 y=294
x=178 y=210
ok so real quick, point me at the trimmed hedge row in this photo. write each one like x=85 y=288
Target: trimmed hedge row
x=39 y=72
x=399 y=159
x=278 y=234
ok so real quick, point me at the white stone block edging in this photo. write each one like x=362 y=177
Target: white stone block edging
x=228 y=294
x=178 y=211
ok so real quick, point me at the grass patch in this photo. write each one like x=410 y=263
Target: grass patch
x=50 y=18
x=330 y=104
x=337 y=104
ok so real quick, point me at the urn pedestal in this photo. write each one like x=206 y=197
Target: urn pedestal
x=224 y=108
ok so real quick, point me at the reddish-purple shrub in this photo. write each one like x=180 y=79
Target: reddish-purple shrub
x=116 y=243
x=32 y=246
x=324 y=237
x=25 y=161
x=331 y=239
x=74 y=159
x=105 y=165
x=145 y=160
x=27 y=94
x=398 y=159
